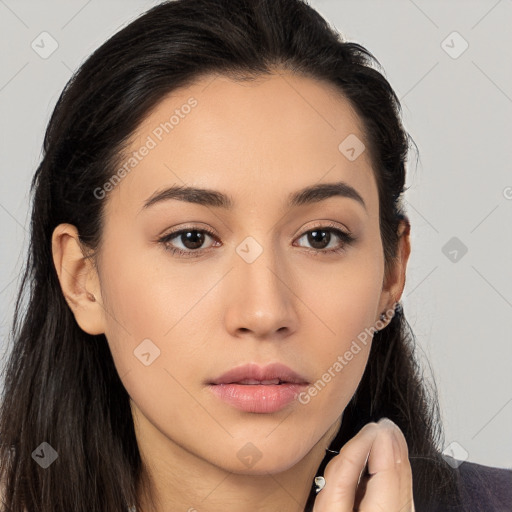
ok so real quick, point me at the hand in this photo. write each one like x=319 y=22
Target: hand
x=387 y=487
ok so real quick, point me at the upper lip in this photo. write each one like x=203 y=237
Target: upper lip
x=260 y=373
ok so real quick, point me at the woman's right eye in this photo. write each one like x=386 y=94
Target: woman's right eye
x=194 y=237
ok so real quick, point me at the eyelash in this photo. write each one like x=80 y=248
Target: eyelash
x=346 y=237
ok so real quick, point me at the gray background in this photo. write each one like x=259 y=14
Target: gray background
x=456 y=104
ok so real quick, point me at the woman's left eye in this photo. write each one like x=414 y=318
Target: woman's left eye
x=192 y=239
x=319 y=235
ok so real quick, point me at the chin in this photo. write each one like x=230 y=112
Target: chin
x=250 y=460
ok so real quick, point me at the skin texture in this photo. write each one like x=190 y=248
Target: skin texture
x=257 y=142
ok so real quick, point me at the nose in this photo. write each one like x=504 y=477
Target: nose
x=261 y=302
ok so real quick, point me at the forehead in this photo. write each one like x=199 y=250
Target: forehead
x=251 y=139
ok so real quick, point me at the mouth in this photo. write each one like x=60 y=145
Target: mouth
x=251 y=388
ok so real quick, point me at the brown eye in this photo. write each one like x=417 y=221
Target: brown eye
x=320 y=238
x=191 y=240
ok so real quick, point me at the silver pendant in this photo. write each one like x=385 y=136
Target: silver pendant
x=319 y=483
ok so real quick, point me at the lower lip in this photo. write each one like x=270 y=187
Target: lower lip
x=264 y=398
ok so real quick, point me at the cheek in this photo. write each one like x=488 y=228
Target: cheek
x=345 y=307
x=344 y=298
x=157 y=324
x=145 y=298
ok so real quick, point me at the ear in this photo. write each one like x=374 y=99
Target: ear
x=394 y=283
x=78 y=279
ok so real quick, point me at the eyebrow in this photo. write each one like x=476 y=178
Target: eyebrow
x=216 y=199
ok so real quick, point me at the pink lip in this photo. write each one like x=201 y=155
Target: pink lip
x=256 y=372
x=261 y=398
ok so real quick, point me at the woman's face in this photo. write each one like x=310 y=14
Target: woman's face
x=263 y=288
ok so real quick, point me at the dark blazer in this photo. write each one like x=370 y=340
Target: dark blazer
x=485 y=488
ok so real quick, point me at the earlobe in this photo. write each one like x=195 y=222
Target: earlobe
x=78 y=279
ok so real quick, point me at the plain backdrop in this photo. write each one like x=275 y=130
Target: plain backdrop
x=450 y=64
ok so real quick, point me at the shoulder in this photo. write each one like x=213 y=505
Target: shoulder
x=486 y=487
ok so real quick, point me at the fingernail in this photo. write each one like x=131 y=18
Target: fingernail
x=395 y=439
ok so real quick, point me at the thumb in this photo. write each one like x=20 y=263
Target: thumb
x=343 y=472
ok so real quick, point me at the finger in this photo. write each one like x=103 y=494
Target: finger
x=406 y=489
x=389 y=486
x=343 y=471
x=382 y=490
